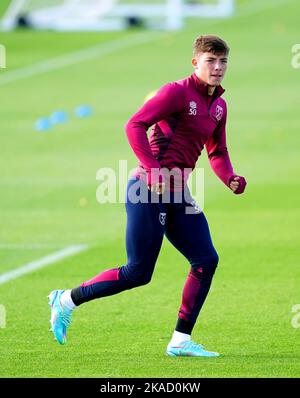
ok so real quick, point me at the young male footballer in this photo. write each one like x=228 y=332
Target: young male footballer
x=185 y=115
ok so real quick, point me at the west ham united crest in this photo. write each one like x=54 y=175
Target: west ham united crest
x=162 y=218
x=219 y=112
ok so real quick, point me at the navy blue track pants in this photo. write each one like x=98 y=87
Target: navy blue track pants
x=178 y=218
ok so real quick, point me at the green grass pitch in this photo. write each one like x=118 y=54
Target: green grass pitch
x=247 y=316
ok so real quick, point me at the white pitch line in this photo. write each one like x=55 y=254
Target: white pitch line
x=42 y=262
x=75 y=57
x=29 y=246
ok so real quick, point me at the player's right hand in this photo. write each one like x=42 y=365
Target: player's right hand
x=158 y=188
x=238 y=184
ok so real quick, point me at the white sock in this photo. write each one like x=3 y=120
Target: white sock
x=66 y=300
x=178 y=338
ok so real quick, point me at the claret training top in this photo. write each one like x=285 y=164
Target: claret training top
x=184 y=119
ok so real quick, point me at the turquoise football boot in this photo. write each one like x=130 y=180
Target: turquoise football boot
x=189 y=349
x=60 y=317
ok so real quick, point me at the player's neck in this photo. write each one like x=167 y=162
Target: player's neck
x=211 y=89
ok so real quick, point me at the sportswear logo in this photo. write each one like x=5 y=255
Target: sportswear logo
x=162 y=218
x=193 y=108
x=219 y=112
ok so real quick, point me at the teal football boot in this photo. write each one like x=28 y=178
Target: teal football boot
x=60 y=317
x=189 y=349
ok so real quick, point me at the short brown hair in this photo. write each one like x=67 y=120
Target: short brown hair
x=210 y=44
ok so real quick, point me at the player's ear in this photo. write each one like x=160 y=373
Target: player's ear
x=194 y=62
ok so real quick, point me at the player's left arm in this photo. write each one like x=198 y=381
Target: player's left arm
x=219 y=158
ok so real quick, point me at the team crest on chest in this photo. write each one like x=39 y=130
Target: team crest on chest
x=193 y=108
x=219 y=112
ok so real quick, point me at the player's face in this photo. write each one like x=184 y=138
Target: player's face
x=210 y=68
